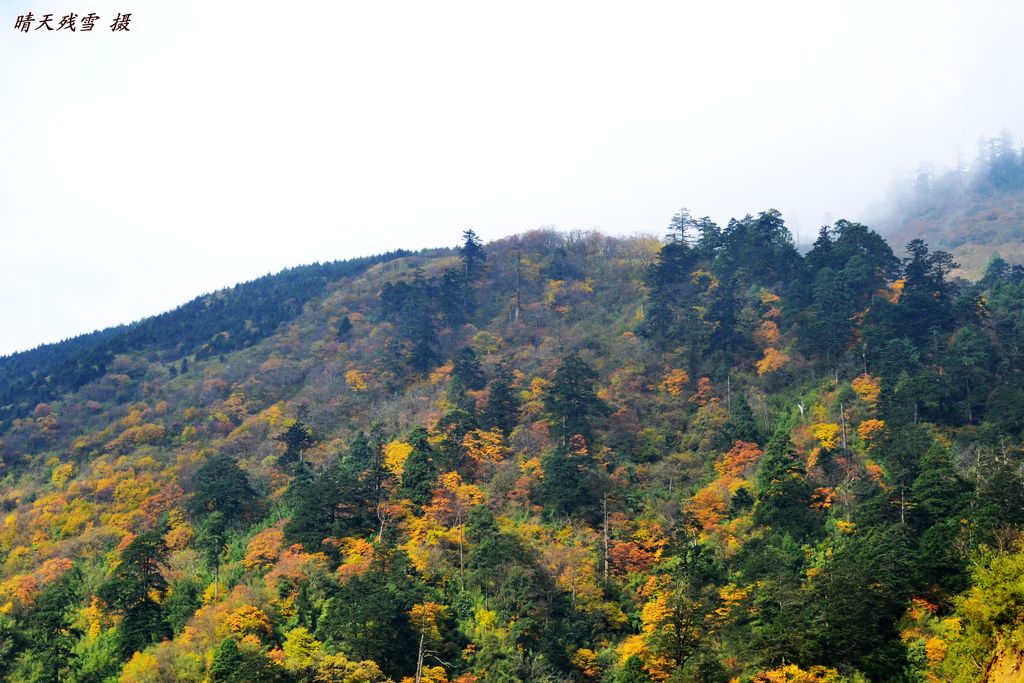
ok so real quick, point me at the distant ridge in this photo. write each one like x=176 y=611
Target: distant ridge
x=211 y=324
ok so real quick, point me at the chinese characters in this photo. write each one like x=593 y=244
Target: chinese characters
x=69 y=22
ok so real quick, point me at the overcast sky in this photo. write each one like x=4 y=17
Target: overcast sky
x=217 y=141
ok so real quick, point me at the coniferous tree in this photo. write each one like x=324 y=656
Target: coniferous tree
x=449 y=453
x=671 y=320
x=52 y=630
x=940 y=499
x=857 y=600
x=134 y=591
x=344 y=329
x=466 y=367
x=419 y=472
x=451 y=297
x=184 y=599
x=297 y=438
x=571 y=404
x=503 y=403
x=211 y=538
x=415 y=348
x=709 y=239
x=221 y=486
x=232 y=664
x=1001 y=500
x=784 y=493
x=569 y=485
x=369 y=616
x=742 y=425
x=473 y=256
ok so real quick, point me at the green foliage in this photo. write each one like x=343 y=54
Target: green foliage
x=632 y=671
x=466 y=367
x=473 y=255
x=297 y=438
x=368 y=618
x=232 y=664
x=785 y=494
x=420 y=473
x=184 y=599
x=344 y=329
x=503 y=403
x=742 y=425
x=99 y=658
x=415 y=349
x=988 y=618
x=857 y=599
x=571 y=404
x=569 y=485
x=216 y=323
x=221 y=486
x=627 y=547
x=52 y=632
x=130 y=591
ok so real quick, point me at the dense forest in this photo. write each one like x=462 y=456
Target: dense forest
x=552 y=457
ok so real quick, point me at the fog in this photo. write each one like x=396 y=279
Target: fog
x=215 y=142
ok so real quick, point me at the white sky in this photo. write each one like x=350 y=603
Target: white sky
x=218 y=141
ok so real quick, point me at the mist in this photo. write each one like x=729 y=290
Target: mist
x=212 y=144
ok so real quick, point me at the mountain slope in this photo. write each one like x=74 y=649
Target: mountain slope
x=225 y=320
x=551 y=457
x=972 y=214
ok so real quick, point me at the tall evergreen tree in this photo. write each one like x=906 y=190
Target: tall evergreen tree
x=420 y=472
x=135 y=590
x=571 y=404
x=410 y=307
x=503 y=402
x=784 y=493
x=466 y=367
x=369 y=616
x=570 y=483
x=473 y=256
x=52 y=630
x=671 y=318
x=742 y=425
x=221 y=486
x=297 y=439
x=857 y=600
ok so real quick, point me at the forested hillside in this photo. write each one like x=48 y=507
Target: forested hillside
x=552 y=457
x=973 y=211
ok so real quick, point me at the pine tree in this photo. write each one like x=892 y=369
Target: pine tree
x=569 y=485
x=369 y=616
x=52 y=630
x=344 y=329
